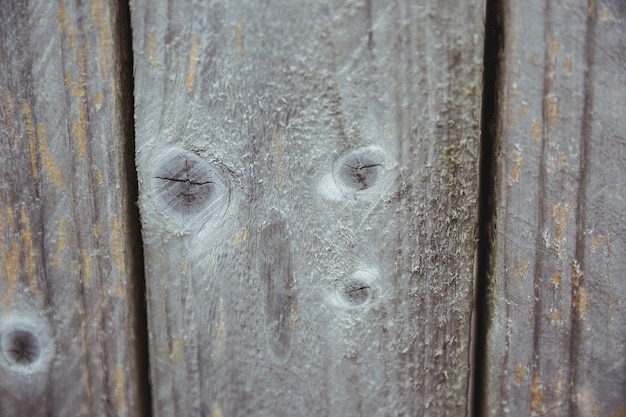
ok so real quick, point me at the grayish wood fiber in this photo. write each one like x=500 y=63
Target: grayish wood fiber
x=558 y=336
x=330 y=273
x=67 y=308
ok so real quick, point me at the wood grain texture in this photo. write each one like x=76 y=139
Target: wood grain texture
x=68 y=316
x=329 y=273
x=557 y=335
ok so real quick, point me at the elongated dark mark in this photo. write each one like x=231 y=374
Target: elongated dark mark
x=487 y=203
x=578 y=267
x=137 y=285
x=276 y=274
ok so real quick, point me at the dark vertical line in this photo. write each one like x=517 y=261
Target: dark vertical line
x=487 y=200
x=581 y=213
x=123 y=40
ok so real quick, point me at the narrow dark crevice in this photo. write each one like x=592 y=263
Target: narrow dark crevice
x=487 y=200
x=123 y=38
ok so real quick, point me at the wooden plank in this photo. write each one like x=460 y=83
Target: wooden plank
x=557 y=335
x=307 y=176
x=68 y=254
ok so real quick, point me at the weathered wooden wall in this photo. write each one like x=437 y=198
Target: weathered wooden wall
x=557 y=337
x=68 y=317
x=308 y=179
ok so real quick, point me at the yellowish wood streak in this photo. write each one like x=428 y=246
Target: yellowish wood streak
x=536 y=132
x=9 y=256
x=216 y=410
x=84 y=368
x=512 y=103
x=537 y=405
x=219 y=330
x=97 y=100
x=559 y=215
x=605 y=14
x=193 y=63
x=568 y=66
x=61 y=244
x=588 y=404
x=518 y=164
x=66 y=25
x=596 y=242
x=579 y=294
x=591 y=7
x=555 y=316
x=519 y=273
x=239 y=38
x=79 y=127
x=119 y=390
x=558 y=391
x=556 y=278
x=117 y=246
x=30 y=262
x=553 y=110
x=96 y=231
x=523 y=109
x=278 y=159
x=520 y=373
x=152 y=50
x=98 y=17
x=177 y=350
x=86 y=267
x=620 y=412
x=31 y=140
x=49 y=164
x=240 y=237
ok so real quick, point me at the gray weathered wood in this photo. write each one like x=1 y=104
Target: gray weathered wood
x=68 y=343
x=307 y=175
x=557 y=333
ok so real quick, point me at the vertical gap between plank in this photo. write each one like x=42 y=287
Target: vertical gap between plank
x=123 y=40
x=487 y=202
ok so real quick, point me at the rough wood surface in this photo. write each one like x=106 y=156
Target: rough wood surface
x=68 y=343
x=307 y=176
x=557 y=336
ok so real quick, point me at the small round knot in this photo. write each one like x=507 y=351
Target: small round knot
x=186 y=184
x=25 y=344
x=359 y=169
